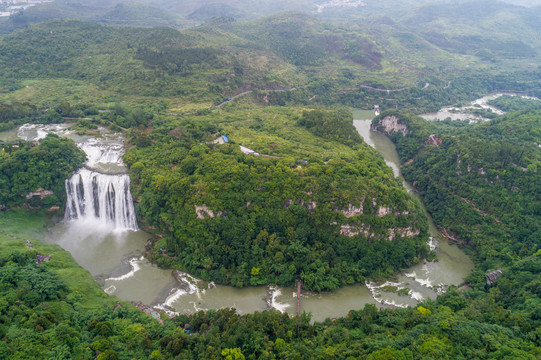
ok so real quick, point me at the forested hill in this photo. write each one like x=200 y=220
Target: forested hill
x=133 y=62
x=481 y=183
x=295 y=58
x=35 y=173
x=313 y=202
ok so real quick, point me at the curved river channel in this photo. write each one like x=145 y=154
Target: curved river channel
x=114 y=257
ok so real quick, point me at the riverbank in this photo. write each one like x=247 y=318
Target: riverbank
x=21 y=227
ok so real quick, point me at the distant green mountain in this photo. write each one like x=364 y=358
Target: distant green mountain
x=459 y=50
x=139 y=61
x=114 y=13
x=490 y=30
x=253 y=8
x=138 y=14
x=214 y=10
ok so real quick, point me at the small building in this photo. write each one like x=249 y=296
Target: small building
x=493 y=276
x=221 y=140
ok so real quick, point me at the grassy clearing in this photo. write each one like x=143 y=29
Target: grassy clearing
x=19 y=225
x=44 y=92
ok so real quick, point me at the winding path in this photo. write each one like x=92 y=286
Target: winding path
x=233 y=98
x=383 y=90
x=251 y=91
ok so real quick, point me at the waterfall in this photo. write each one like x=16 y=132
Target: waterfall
x=103 y=198
x=98 y=194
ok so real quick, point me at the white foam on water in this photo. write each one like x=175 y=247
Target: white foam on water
x=197 y=308
x=416 y=295
x=110 y=290
x=372 y=287
x=273 y=303
x=432 y=243
x=423 y=282
x=177 y=293
x=135 y=267
x=35 y=132
x=427 y=283
x=166 y=310
x=106 y=199
x=393 y=303
x=102 y=151
x=377 y=292
x=461 y=113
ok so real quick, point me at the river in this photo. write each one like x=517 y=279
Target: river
x=465 y=113
x=113 y=254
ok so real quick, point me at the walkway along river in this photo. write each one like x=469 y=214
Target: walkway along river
x=112 y=251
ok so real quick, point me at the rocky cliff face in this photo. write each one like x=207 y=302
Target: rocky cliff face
x=390 y=125
x=355 y=224
x=362 y=229
x=352 y=210
x=203 y=211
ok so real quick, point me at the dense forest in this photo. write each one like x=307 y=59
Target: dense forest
x=300 y=63
x=14 y=114
x=27 y=167
x=486 y=175
x=245 y=219
x=515 y=103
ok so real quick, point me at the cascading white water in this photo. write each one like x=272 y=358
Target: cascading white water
x=103 y=198
x=100 y=193
x=35 y=132
x=99 y=151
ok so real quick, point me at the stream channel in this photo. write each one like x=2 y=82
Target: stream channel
x=111 y=249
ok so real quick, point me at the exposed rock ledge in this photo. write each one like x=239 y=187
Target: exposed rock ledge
x=382 y=211
x=310 y=206
x=351 y=231
x=203 y=211
x=434 y=140
x=42 y=193
x=390 y=125
x=352 y=211
x=403 y=232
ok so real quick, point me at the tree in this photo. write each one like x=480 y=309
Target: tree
x=232 y=354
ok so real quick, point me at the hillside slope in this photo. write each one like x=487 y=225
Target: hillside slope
x=480 y=183
x=313 y=202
